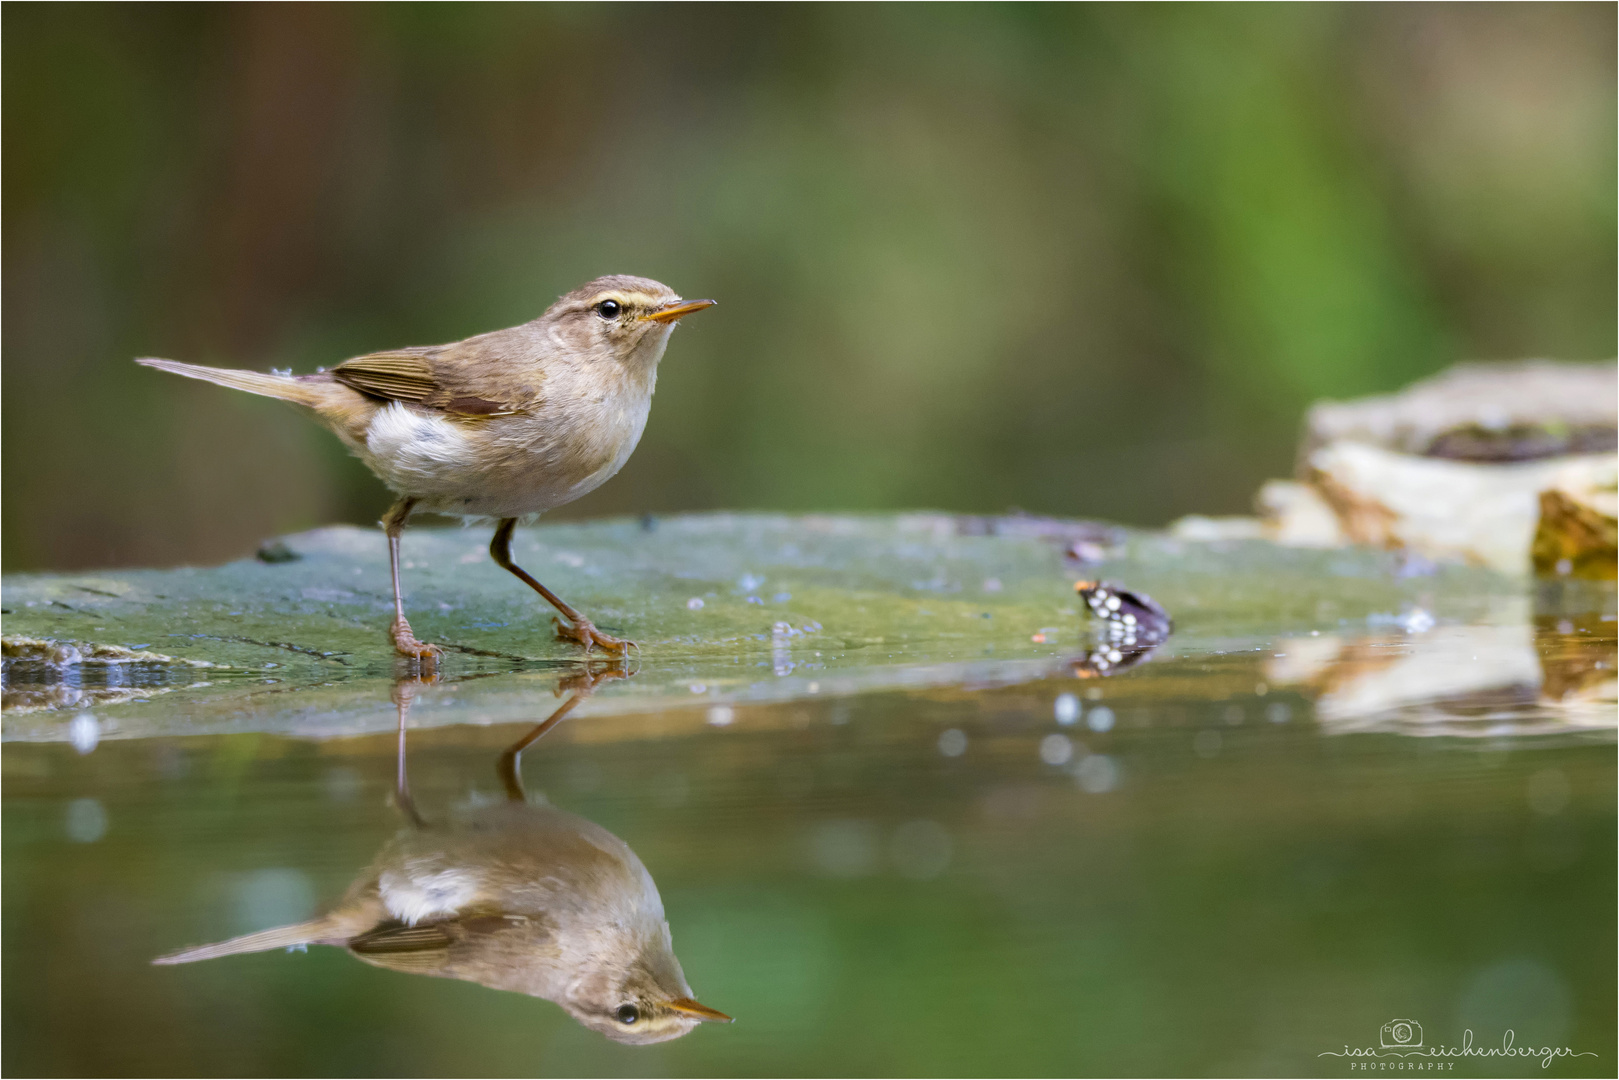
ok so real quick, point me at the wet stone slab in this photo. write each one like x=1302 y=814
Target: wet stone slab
x=737 y=609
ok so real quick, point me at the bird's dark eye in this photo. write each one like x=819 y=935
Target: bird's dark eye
x=609 y=309
x=627 y=1014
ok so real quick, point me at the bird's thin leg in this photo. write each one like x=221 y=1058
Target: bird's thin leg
x=578 y=628
x=405 y=643
x=510 y=765
x=581 y=685
x=403 y=694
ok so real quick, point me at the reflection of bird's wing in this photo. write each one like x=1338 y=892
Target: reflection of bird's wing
x=495 y=950
x=466 y=379
x=418 y=949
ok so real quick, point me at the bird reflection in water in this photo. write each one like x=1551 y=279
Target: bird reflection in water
x=514 y=896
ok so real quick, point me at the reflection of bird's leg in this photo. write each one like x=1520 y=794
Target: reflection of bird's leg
x=405 y=643
x=580 y=629
x=582 y=685
x=404 y=692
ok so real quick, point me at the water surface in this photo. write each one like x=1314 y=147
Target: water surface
x=1224 y=860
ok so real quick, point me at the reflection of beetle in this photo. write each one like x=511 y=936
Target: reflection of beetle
x=1132 y=626
x=1400 y=1035
x=1110 y=659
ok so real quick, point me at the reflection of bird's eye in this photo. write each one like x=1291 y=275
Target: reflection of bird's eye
x=627 y=1014
x=609 y=309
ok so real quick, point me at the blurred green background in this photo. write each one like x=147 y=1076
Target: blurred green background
x=1080 y=260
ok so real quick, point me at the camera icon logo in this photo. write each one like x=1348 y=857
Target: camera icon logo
x=1400 y=1035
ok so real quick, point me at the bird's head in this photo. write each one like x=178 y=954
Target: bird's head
x=642 y=998
x=619 y=317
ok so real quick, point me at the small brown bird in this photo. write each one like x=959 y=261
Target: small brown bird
x=513 y=896
x=500 y=426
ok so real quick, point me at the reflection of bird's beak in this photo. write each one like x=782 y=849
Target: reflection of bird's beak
x=687 y=1005
x=673 y=311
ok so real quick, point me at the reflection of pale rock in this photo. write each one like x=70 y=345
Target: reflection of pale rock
x=1483 y=513
x=1457 y=680
x=1454 y=663
x=1302 y=660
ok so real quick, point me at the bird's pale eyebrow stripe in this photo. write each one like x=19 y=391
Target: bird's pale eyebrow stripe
x=631 y=299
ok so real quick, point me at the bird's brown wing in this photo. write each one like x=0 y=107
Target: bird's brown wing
x=426 y=949
x=416 y=949
x=425 y=377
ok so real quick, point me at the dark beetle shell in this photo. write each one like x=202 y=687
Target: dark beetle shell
x=1130 y=618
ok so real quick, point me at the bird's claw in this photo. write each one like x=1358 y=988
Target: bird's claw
x=591 y=677
x=585 y=633
x=407 y=645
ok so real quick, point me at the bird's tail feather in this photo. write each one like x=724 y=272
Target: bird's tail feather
x=285 y=387
x=282 y=937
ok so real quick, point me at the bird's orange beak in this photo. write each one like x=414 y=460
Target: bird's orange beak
x=678 y=309
x=687 y=1005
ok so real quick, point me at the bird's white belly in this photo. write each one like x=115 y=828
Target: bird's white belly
x=425 y=888
x=456 y=467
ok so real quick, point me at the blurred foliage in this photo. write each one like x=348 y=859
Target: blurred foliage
x=1083 y=260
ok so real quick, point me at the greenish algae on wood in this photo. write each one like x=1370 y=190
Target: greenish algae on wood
x=726 y=608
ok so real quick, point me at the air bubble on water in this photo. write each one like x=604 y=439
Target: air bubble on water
x=844 y=849
x=1549 y=791
x=721 y=716
x=86 y=821
x=953 y=742
x=1066 y=709
x=1056 y=749
x=1415 y=621
x=342 y=784
x=694 y=604
x=1097 y=774
x=1100 y=719
x=84 y=732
